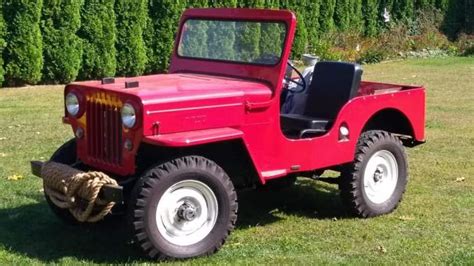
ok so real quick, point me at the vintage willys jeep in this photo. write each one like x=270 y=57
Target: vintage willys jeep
x=180 y=144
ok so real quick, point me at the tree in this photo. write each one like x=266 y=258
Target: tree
x=300 y=44
x=326 y=13
x=62 y=48
x=223 y=3
x=98 y=33
x=469 y=16
x=271 y=33
x=357 y=19
x=23 y=55
x=455 y=17
x=221 y=36
x=342 y=14
x=197 y=3
x=403 y=9
x=311 y=18
x=2 y=43
x=131 y=22
x=163 y=24
x=247 y=36
x=442 y=5
x=371 y=17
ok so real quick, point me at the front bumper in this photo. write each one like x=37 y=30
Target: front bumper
x=108 y=192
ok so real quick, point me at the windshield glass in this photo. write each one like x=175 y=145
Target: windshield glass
x=236 y=41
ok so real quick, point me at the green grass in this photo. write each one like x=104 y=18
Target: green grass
x=303 y=225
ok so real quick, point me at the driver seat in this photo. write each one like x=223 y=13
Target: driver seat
x=333 y=85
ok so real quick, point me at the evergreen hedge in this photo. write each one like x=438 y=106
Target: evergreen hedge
x=131 y=19
x=163 y=24
x=23 y=54
x=2 y=43
x=98 y=33
x=57 y=41
x=62 y=48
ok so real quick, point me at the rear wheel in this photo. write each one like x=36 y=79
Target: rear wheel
x=375 y=182
x=183 y=208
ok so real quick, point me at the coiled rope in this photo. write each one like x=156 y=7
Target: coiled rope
x=78 y=191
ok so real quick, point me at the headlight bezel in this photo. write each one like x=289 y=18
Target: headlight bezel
x=73 y=111
x=131 y=113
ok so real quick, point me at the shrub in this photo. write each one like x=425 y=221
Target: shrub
x=465 y=44
x=23 y=55
x=98 y=33
x=326 y=14
x=159 y=38
x=2 y=44
x=62 y=48
x=300 y=42
x=372 y=56
x=342 y=14
x=370 y=11
x=131 y=52
x=311 y=16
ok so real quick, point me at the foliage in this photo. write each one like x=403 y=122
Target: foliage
x=62 y=48
x=300 y=43
x=131 y=19
x=2 y=42
x=159 y=38
x=98 y=33
x=129 y=38
x=326 y=16
x=23 y=54
x=343 y=14
x=303 y=225
x=370 y=11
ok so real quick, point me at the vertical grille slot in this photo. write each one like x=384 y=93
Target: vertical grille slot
x=104 y=131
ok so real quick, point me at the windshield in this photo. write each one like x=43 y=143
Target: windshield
x=236 y=41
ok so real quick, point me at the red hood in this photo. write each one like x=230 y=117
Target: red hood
x=183 y=102
x=177 y=88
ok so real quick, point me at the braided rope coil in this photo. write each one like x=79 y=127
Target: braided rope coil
x=77 y=191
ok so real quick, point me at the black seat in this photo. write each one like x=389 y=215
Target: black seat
x=333 y=85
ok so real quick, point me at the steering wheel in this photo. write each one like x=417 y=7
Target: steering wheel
x=302 y=84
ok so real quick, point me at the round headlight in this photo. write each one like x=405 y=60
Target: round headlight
x=72 y=104
x=129 y=117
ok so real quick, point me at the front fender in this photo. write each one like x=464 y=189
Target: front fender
x=197 y=137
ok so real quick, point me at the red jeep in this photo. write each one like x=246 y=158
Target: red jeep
x=180 y=144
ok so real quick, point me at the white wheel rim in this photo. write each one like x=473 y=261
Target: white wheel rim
x=380 y=176
x=187 y=212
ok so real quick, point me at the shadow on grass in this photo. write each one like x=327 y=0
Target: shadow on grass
x=33 y=231
x=306 y=199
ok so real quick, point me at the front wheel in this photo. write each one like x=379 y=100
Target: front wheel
x=183 y=208
x=66 y=154
x=375 y=182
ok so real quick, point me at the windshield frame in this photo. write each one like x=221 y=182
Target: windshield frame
x=280 y=57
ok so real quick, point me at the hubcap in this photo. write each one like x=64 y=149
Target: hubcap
x=380 y=176
x=187 y=212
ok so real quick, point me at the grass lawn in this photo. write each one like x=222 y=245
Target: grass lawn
x=305 y=224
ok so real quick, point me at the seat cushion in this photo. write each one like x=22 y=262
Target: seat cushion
x=297 y=122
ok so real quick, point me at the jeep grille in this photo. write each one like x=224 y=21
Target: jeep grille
x=104 y=130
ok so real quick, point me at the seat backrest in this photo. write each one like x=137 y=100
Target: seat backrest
x=332 y=86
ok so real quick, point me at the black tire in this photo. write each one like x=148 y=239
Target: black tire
x=66 y=154
x=358 y=197
x=159 y=182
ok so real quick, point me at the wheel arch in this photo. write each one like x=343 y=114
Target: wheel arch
x=231 y=155
x=399 y=124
